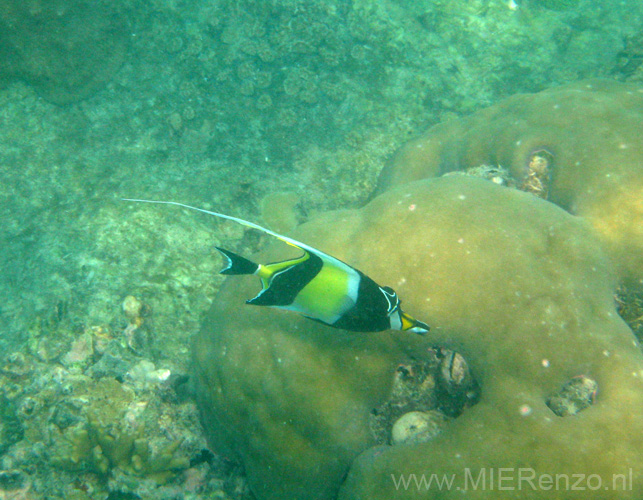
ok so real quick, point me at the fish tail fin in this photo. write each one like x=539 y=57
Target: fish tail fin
x=237 y=264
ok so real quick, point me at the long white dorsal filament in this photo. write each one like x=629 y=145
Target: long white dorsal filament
x=285 y=239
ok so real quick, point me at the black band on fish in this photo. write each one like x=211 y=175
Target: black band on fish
x=284 y=286
x=370 y=312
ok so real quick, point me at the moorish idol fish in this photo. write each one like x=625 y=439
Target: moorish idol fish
x=318 y=286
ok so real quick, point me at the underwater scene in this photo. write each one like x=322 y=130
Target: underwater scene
x=394 y=249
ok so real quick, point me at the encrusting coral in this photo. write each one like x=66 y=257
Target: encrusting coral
x=516 y=284
x=587 y=136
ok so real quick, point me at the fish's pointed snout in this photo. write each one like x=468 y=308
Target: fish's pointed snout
x=410 y=324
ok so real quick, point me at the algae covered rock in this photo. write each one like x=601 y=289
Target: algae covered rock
x=66 y=49
x=514 y=283
x=10 y=428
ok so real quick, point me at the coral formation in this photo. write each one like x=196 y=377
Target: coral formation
x=438 y=386
x=111 y=434
x=279 y=211
x=95 y=433
x=577 y=144
x=529 y=304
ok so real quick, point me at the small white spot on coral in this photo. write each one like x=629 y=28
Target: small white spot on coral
x=606 y=353
x=525 y=410
x=545 y=363
x=461 y=240
x=462 y=197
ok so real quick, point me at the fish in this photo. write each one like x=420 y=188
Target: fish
x=316 y=285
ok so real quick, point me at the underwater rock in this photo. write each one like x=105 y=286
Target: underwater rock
x=145 y=376
x=11 y=430
x=539 y=169
x=514 y=283
x=417 y=427
x=133 y=309
x=577 y=145
x=441 y=381
x=67 y=50
x=15 y=485
x=629 y=304
x=576 y=395
x=414 y=389
x=16 y=365
x=81 y=351
x=457 y=387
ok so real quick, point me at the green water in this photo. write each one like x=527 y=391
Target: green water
x=217 y=104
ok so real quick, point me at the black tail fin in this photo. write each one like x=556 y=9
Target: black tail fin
x=237 y=264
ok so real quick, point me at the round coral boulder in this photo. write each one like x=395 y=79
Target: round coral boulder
x=587 y=137
x=516 y=284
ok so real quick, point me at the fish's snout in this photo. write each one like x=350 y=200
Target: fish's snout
x=410 y=324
